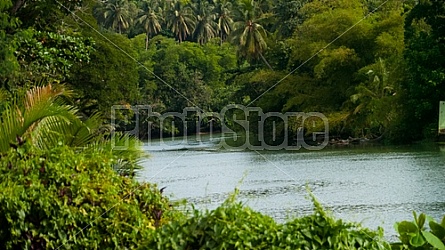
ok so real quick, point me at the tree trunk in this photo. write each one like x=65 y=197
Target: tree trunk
x=17 y=5
x=265 y=61
x=146 y=42
x=221 y=42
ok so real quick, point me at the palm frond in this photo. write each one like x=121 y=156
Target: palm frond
x=42 y=118
x=126 y=149
x=39 y=103
x=10 y=124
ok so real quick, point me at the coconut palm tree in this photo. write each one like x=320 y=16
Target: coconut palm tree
x=180 y=20
x=377 y=87
x=248 y=34
x=373 y=102
x=204 y=27
x=150 y=18
x=224 y=19
x=116 y=14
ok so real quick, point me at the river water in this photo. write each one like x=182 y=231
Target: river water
x=374 y=185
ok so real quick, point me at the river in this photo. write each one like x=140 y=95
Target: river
x=374 y=185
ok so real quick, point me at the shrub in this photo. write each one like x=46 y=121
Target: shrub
x=413 y=235
x=74 y=200
x=234 y=226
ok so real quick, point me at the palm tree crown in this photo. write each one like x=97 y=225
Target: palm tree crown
x=115 y=14
x=180 y=20
x=223 y=16
x=204 y=28
x=249 y=34
x=150 y=18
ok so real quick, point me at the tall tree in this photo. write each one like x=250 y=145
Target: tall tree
x=204 y=28
x=180 y=20
x=374 y=101
x=343 y=54
x=110 y=77
x=287 y=16
x=248 y=34
x=150 y=18
x=115 y=14
x=41 y=14
x=223 y=12
x=425 y=50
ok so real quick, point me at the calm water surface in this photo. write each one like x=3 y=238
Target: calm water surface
x=376 y=186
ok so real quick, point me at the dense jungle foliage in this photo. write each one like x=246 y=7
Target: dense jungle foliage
x=375 y=68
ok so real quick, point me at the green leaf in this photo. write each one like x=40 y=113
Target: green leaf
x=437 y=229
x=406 y=227
x=433 y=240
x=407 y=230
x=421 y=221
x=417 y=241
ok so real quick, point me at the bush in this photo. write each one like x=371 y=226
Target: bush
x=413 y=235
x=75 y=200
x=61 y=197
x=233 y=226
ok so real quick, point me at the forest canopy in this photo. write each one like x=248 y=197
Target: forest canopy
x=375 y=68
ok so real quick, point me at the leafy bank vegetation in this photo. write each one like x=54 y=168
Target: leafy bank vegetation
x=232 y=226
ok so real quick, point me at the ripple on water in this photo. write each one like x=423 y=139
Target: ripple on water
x=377 y=186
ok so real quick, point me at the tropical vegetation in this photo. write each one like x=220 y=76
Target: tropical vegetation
x=375 y=68
x=70 y=199
x=233 y=226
